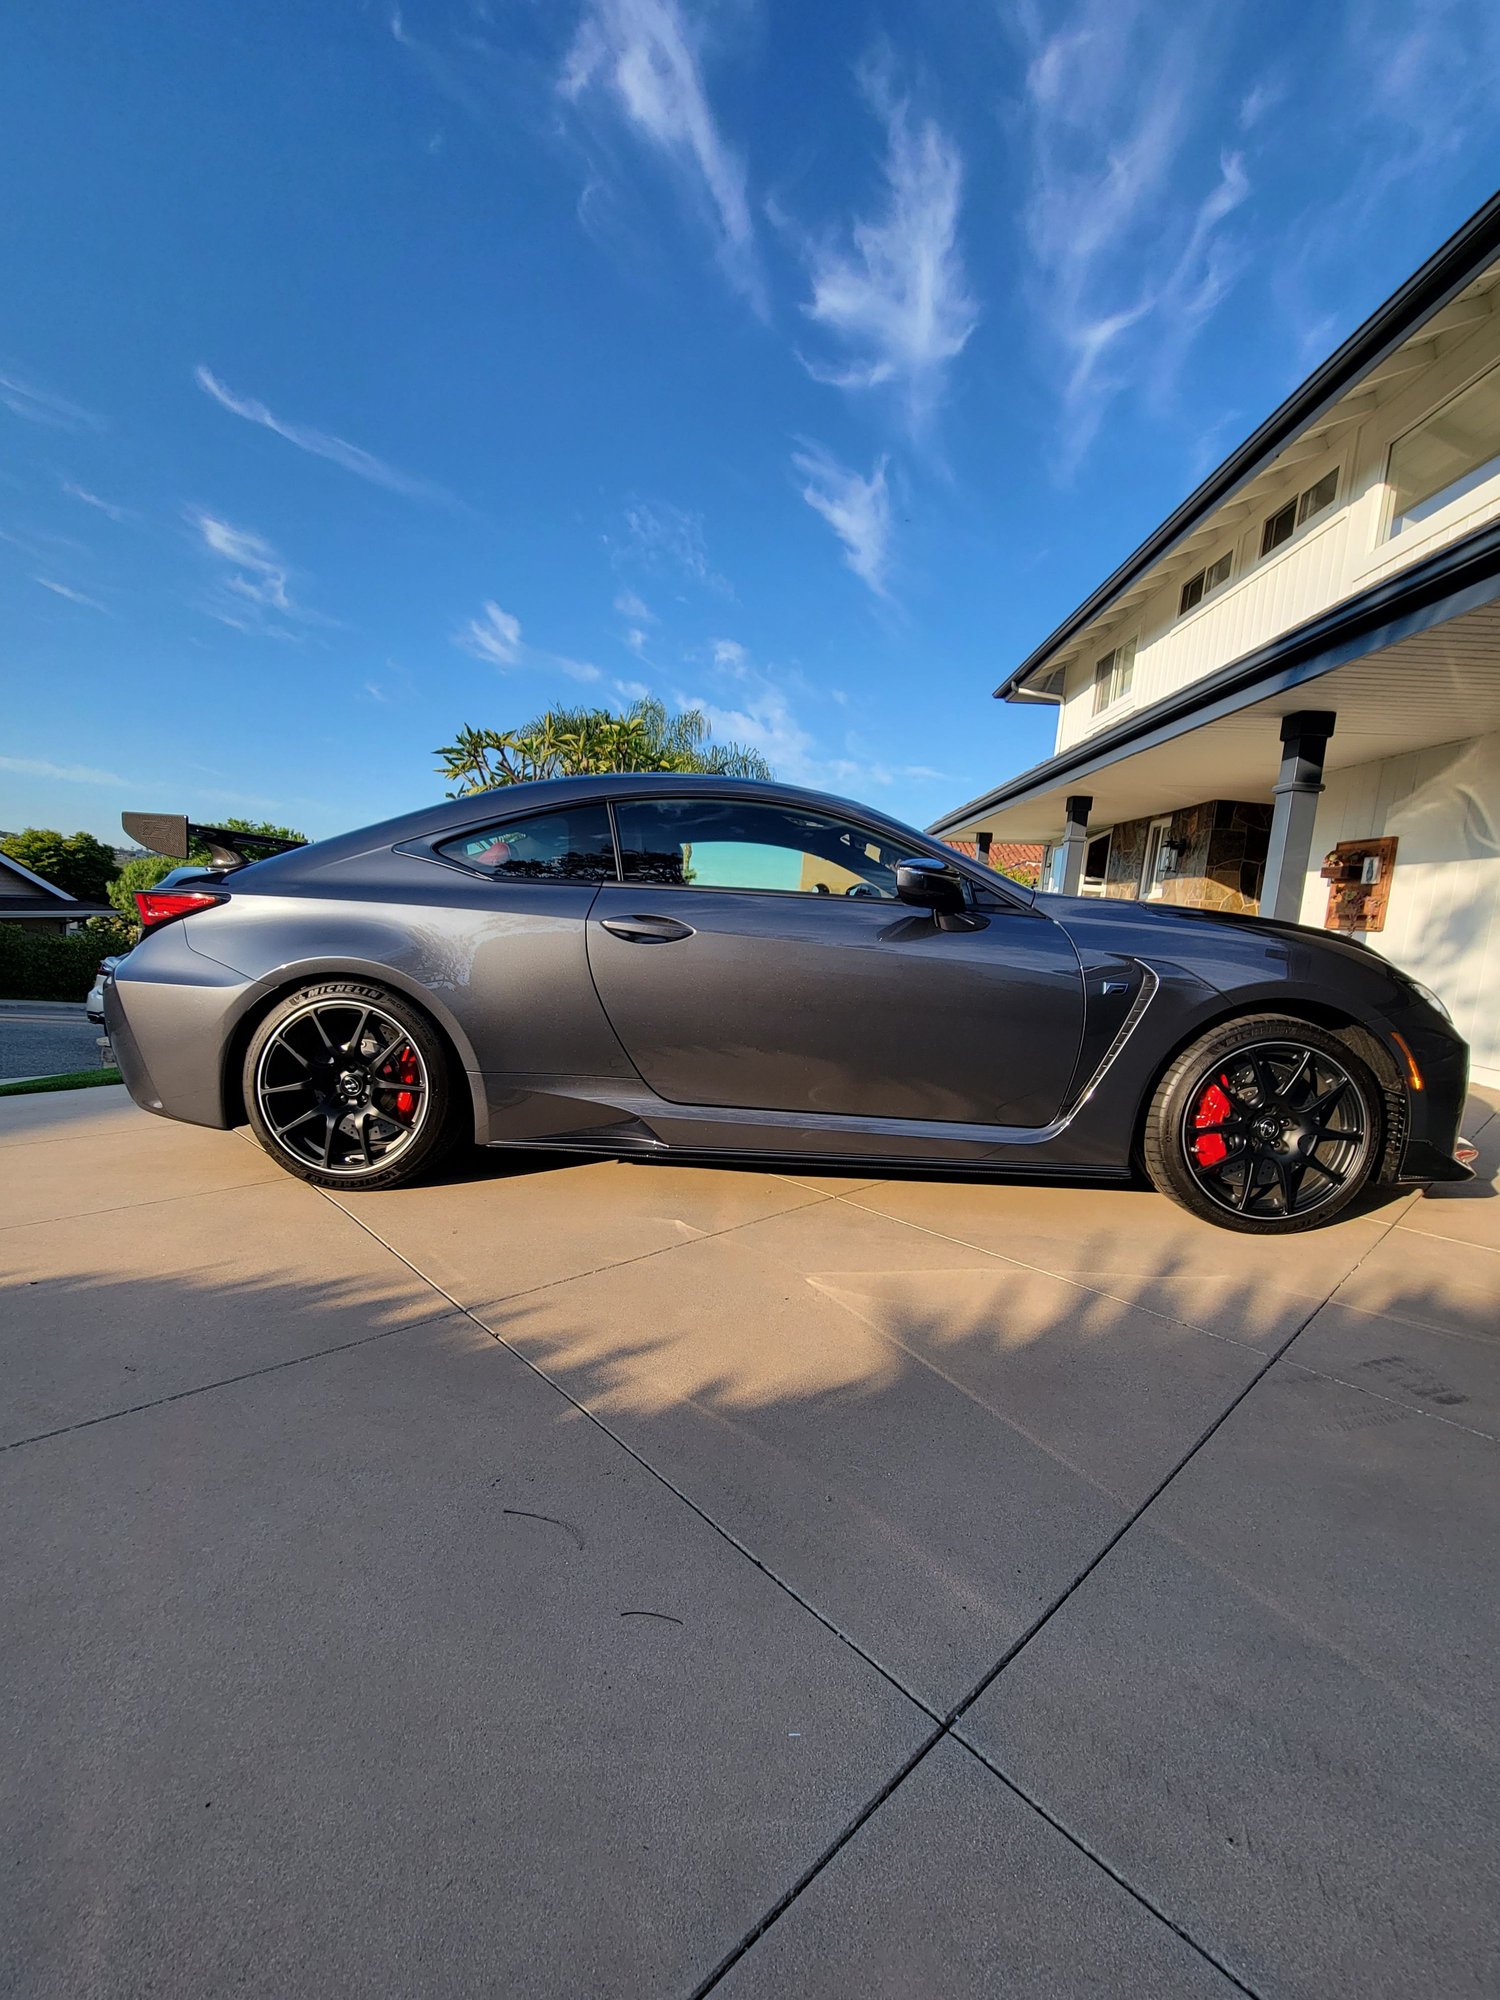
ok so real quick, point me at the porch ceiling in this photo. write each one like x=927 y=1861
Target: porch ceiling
x=1438 y=686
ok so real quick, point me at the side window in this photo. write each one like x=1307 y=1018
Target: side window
x=570 y=845
x=1447 y=454
x=741 y=844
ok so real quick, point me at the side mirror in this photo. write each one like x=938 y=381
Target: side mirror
x=931 y=885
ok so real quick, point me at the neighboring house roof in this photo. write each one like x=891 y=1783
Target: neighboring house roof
x=42 y=900
x=1004 y=853
x=9 y=862
x=1468 y=252
x=1456 y=579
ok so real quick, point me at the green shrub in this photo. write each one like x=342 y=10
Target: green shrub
x=142 y=873
x=45 y=965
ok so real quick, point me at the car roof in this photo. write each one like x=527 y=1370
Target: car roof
x=539 y=794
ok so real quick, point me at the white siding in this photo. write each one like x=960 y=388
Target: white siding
x=1443 y=920
x=1344 y=552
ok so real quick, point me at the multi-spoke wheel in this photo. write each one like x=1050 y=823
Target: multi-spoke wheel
x=1269 y=1125
x=347 y=1085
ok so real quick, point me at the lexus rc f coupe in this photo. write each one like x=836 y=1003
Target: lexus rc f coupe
x=688 y=967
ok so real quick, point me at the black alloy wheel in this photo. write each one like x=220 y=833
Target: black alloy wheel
x=1270 y=1126
x=346 y=1085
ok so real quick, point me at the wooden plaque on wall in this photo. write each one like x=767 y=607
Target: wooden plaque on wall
x=1355 y=903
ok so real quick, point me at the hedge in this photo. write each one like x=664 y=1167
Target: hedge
x=45 y=965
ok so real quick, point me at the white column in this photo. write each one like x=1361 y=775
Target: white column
x=1067 y=858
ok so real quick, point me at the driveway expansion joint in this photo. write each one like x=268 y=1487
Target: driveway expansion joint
x=948 y=1724
x=229 y=1381
x=472 y=1313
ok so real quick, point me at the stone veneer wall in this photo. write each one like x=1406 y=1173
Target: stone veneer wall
x=1223 y=843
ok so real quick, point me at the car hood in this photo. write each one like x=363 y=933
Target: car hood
x=1171 y=921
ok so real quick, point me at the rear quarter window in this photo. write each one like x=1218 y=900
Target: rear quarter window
x=573 y=844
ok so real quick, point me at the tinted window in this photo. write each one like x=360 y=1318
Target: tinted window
x=571 y=845
x=739 y=844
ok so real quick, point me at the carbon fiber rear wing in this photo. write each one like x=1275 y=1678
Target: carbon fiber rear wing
x=174 y=835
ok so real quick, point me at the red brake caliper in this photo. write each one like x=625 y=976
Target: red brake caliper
x=1213 y=1108
x=406 y=1072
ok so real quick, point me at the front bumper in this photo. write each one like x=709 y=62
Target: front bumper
x=1435 y=1095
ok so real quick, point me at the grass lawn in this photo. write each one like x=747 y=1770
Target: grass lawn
x=73 y=1079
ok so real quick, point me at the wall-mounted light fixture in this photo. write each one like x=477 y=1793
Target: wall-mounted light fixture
x=1171 y=856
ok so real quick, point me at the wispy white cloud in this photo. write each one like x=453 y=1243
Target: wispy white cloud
x=68 y=774
x=495 y=637
x=1259 y=101
x=1128 y=258
x=762 y=707
x=578 y=670
x=448 y=75
x=669 y=539
x=107 y=507
x=857 y=509
x=259 y=573
x=642 y=61
x=256 y=590
x=893 y=292
x=40 y=406
x=1418 y=88
x=635 y=608
x=65 y=590
x=322 y=444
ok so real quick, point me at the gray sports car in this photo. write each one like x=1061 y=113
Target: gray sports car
x=661 y=966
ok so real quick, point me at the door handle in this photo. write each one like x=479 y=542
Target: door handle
x=646 y=930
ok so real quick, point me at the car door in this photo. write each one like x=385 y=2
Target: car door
x=500 y=936
x=754 y=955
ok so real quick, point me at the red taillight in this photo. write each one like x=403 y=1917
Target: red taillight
x=160 y=906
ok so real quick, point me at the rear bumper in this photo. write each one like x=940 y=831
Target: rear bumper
x=128 y=1058
x=169 y=1013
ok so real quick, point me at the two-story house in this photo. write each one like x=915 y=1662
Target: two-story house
x=1287 y=700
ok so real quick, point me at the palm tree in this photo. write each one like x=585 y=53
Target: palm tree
x=569 y=742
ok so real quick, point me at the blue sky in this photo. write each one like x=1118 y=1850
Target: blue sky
x=368 y=372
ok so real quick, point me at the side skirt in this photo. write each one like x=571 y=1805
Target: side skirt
x=928 y=1165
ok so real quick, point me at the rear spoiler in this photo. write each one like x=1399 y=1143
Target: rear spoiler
x=173 y=835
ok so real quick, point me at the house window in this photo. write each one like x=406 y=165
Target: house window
x=1095 y=866
x=1160 y=854
x=1113 y=675
x=1447 y=455
x=1203 y=585
x=1284 y=523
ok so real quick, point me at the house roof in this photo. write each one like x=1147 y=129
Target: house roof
x=1005 y=853
x=1457 y=579
x=1469 y=251
x=9 y=862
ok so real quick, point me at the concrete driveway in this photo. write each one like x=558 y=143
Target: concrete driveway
x=630 y=1580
